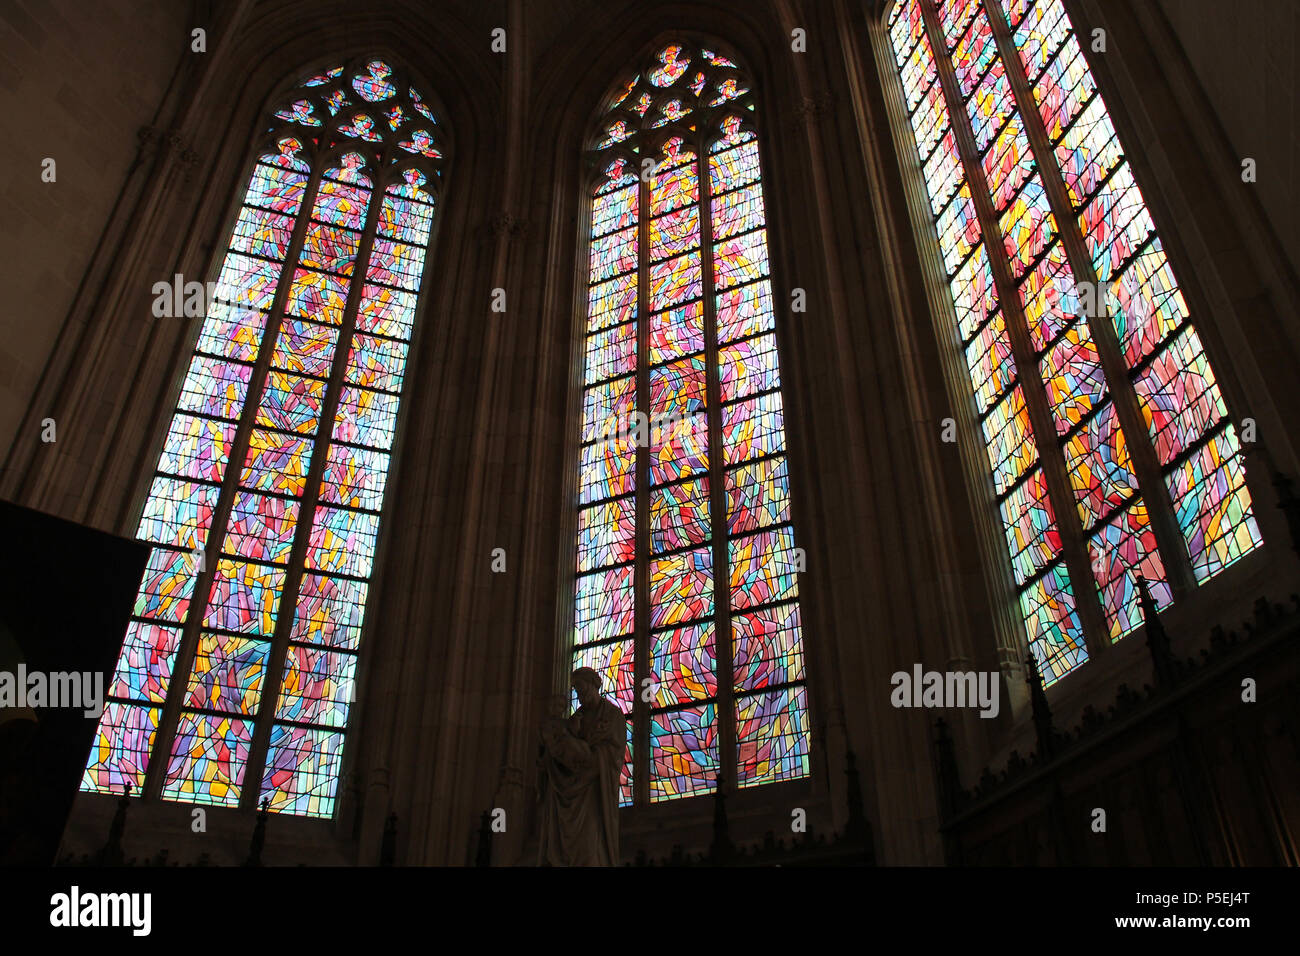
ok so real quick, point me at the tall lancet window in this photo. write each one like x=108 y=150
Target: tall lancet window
x=237 y=673
x=685 y=588
x=1112 y=453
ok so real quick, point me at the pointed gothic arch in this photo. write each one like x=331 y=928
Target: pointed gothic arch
x=696 y=628
x=1114 y=462
x=236 y=677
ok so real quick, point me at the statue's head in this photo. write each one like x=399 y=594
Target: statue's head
x=586 y=682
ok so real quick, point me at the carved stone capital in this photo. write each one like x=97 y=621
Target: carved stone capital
x=156 y=143
x=504 y=226
x=1009 y=662
x=149 y=138
x=835 y=717
x=511 y=783
x=810 y=109
x=799 y=112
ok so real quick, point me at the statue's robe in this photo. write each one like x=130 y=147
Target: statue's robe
x=579 y=787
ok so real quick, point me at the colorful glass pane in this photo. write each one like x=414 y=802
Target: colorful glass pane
x=1121 y=551
x=232 y=332
x=123 y=742
x=772 y=737
x=208 y=758
x=679 y=516
x=1032 y=536
x=683 y=665
x=317 y=687
x=144 y=668
x=758 y=495
x=1052 y=624
x=227 y=674
x=1009 y=440
x=764 y=568
x=324 y=333
x=681 y=587
x=302 y=771
x=1108 y=218
x=329 y=611
x=616 y=664
x=661 y=560
x=990 y=363
x=684 y=752
x=606 y=533
x=744 y=311
x=1100 y=468
x=603 y=606
x=1073 y=377
x=1213 y=506
x=767 y=647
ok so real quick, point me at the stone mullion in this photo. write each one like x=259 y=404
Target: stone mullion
x=1074 y=548
x=177 y=686
x=288 y=601
x=641 y=490
x=716 y=471
x=1142 y=453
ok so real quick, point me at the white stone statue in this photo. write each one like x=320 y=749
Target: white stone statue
x=580 y=764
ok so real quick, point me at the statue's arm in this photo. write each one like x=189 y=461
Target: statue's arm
x=612 y=734
x=573 y=752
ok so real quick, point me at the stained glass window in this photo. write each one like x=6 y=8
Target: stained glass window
x=237 y=673
x=686 y=586
x=1111 y=450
